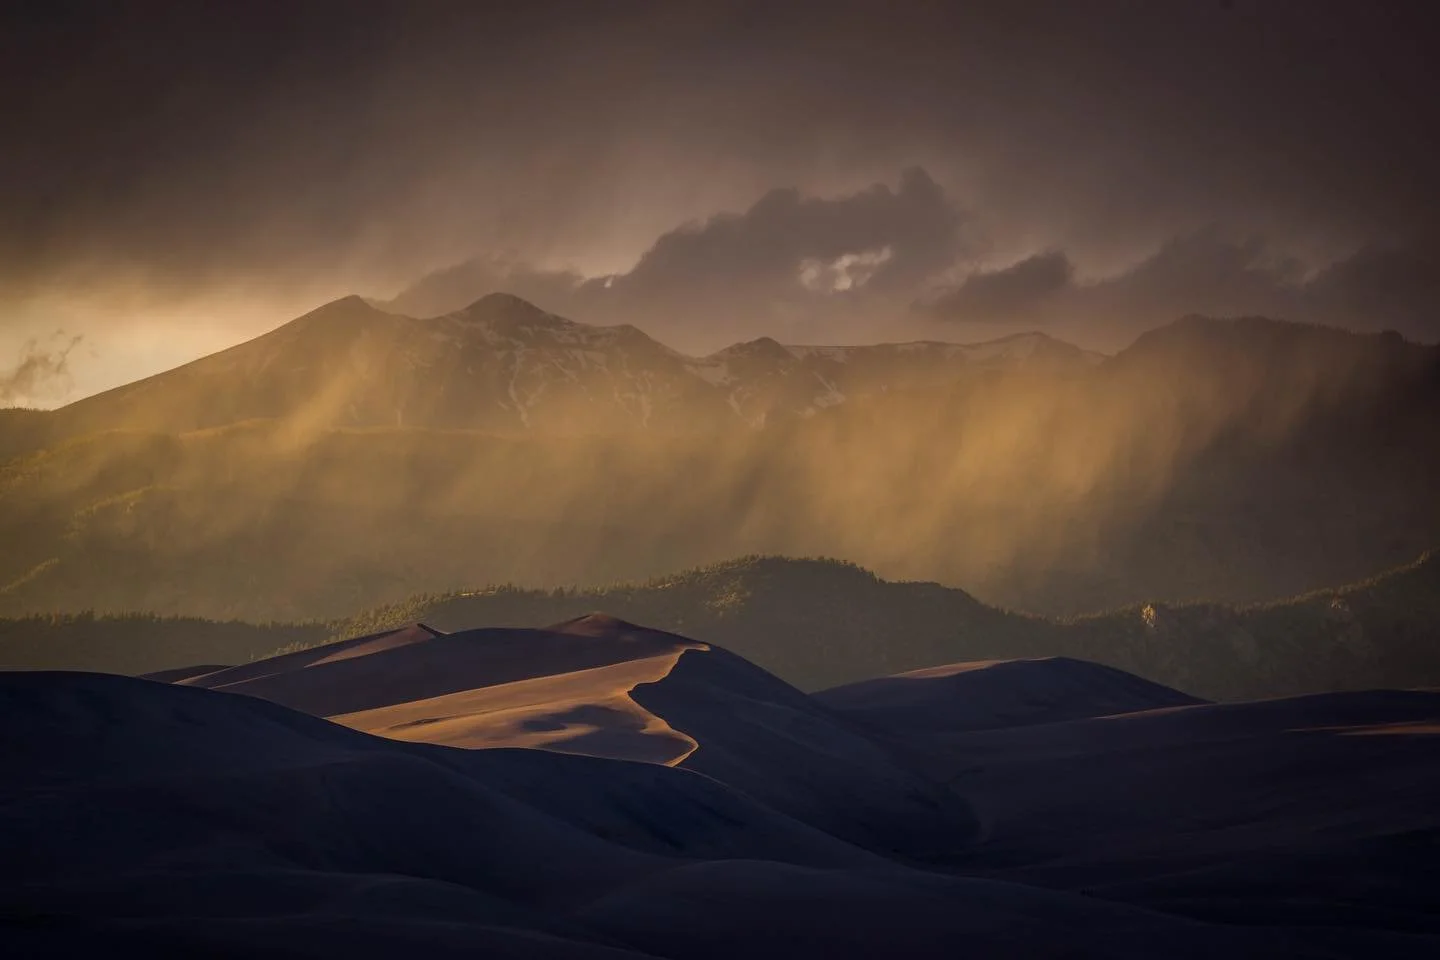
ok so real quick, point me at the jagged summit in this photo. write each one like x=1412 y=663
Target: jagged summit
x=505 y=311
x=500 y=300
x=505 y=365
x=760 y=348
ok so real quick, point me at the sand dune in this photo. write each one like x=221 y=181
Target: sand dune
x=181 y=821
x=1042 y=808
x=603 y=687
x=583 y=711
x=565 y=688
x=184 y=674
x=1321 y=810
x=985 y=694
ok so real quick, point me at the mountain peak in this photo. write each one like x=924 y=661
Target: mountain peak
x=510 y=316
x=349 y=305
x=759 y=347
x=342 y=317
x=501 y=300
x=508 y=307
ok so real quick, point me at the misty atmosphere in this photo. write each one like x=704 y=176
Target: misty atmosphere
x=720 y=479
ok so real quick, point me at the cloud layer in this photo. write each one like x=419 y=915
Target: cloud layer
x=790 y=265
x=880 y=262
x=172 y=159
x=1206 y=272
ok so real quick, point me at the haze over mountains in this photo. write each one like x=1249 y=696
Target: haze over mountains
x=353 y=457
x=503 y=365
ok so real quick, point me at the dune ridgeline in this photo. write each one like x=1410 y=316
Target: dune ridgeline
x=601 y=789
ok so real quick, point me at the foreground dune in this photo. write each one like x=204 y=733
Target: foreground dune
x=583 y=711
x=606 y=688
x=556 y=688
x=185 y=822
x=1044 y=808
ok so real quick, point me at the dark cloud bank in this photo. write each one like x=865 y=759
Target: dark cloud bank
x=1377 y=287
x=790 y=264
x=802 y=267
x=1090 y=166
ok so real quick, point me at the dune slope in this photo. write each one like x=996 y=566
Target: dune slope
x=986 y=694
x=1314 y=811
x=603 y=687
x=181 y=821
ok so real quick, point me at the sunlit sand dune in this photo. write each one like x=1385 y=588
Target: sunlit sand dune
x=176 y=821
x=584 y=711
x=566 y=688
x=603 y=687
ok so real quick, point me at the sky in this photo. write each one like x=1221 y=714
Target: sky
x=177 y=177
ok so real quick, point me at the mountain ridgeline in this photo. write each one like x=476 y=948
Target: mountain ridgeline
x=818 y=624
x=504 y=366
x=355 y=457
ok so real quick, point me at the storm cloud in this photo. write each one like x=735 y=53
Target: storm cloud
x=1205 y=272
x=211 y=170
x=1013 y=293
x=790 y=264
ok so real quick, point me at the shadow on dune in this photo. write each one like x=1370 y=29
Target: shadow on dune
x=1059 y=809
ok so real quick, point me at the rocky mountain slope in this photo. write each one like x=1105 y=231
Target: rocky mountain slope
x=1225 y=460
x=504 y=365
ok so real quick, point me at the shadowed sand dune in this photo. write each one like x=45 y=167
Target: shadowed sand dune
x=1042 y=808
x=184 y=674
x=1319 y=810
x=1312 y=811
x=986 y=694
x=602 y=687
x=181 y=821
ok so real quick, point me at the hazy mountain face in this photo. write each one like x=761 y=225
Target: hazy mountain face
x=355 y=456
x=505 y=366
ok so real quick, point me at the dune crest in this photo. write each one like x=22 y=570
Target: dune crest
x=604 y=687
x=565 y=688
x=584 y=711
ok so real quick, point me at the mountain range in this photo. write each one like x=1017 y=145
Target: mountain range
x=354 y=457
x=503 y=365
